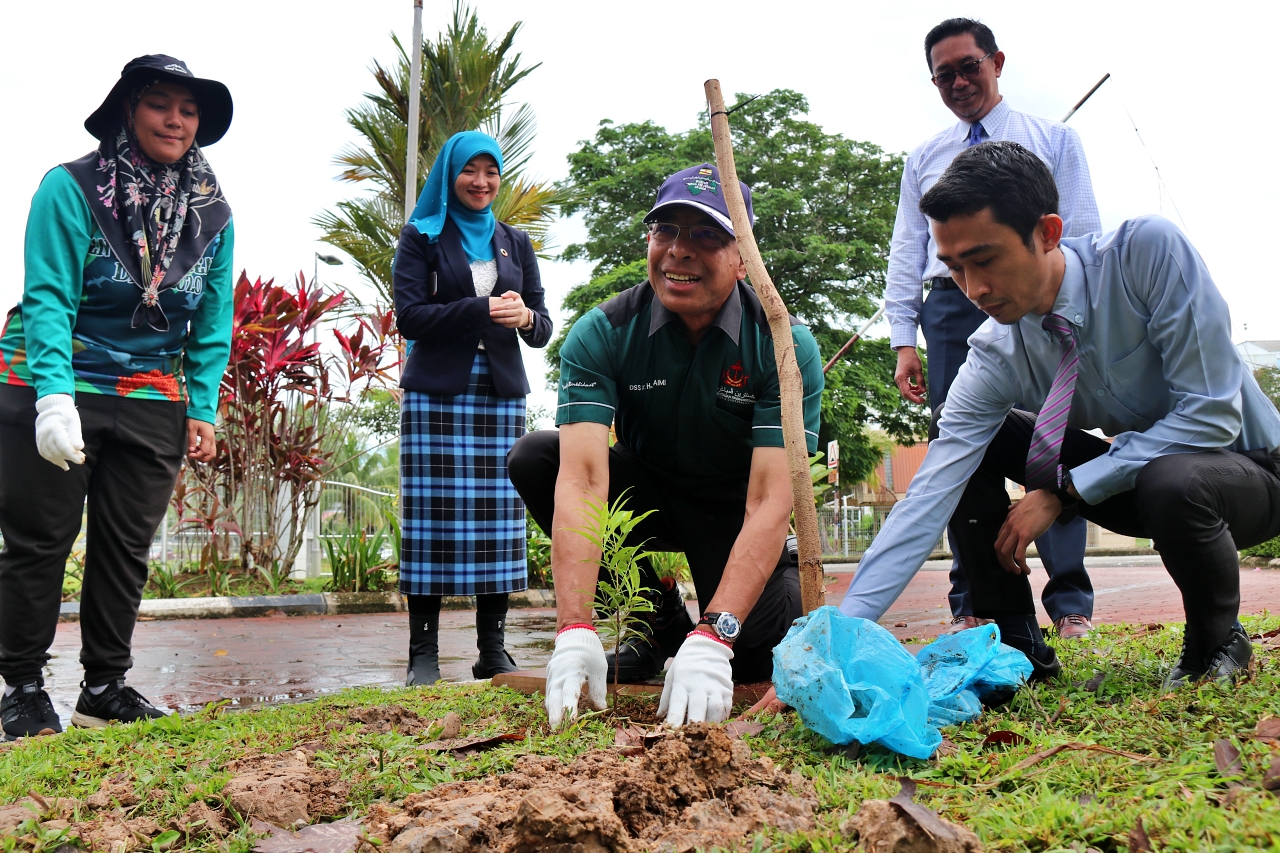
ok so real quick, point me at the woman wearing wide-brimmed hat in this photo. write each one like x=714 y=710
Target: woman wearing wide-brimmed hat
x=467 y=292
x=109 y=370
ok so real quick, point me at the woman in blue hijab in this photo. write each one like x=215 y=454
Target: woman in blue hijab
x=466 y=292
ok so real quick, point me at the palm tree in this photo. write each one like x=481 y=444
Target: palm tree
x=466 y=78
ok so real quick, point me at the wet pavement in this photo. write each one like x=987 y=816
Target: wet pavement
x=188 y=664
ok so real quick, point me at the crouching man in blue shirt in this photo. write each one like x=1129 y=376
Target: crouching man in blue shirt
x=1123 y=332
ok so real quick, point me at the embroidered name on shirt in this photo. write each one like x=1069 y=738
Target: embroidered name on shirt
x=579 y=385
x=648 y=386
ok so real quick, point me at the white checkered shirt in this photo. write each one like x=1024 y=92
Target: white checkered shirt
x=913 y=255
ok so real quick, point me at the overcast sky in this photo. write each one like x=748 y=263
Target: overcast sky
x=1190 y=75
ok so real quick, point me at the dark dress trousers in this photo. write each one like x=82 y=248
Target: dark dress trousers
x=437 y=308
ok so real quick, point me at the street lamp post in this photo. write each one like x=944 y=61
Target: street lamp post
x=331 y=260
x=310 y=551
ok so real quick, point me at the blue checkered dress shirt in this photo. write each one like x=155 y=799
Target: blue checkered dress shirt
x=913 y=255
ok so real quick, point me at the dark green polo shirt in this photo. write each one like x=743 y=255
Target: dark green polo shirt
x=694 y=411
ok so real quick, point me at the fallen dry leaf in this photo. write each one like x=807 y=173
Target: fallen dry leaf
x=477 y=743
x=220 y=653
x=634 y=740
x=1006 y=737
x=1095 y=682
x=741 y=728
x=1138 y=840
x=1268 y=729
x=342 y=836
x=899 y=624
x=1271 y=778
x=1227 y=758
x=901 y=823
x=945 y=748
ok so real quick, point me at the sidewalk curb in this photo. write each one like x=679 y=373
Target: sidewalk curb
x=854 y=559
x=326 y=603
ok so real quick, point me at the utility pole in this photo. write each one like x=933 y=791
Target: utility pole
x=415 y=108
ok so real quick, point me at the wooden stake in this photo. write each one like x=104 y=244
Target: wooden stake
x=790 y=384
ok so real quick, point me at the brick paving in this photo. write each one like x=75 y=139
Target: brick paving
x=187 y=664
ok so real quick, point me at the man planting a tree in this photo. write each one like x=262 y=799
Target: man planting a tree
x=683 y=367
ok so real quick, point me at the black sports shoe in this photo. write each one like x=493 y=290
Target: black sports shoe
x=644 y=654
x=116 y=704
x=28 y=711
x=1231 y=658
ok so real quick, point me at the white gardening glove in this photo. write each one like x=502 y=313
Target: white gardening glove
x=578 y=659
x=699 y=683
x=58 y=435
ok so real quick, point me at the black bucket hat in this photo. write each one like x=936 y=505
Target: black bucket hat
x=213 y=97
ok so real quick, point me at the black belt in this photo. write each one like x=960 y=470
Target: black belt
x=942 y=284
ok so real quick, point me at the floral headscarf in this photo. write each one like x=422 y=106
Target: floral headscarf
x=157 y=218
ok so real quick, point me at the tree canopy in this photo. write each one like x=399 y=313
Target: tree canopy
x=824 y=209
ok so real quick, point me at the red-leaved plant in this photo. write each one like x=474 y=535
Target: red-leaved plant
x=285 y=404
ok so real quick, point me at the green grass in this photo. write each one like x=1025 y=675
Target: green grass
x=1070 y=801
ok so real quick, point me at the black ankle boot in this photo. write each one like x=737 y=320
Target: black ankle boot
x=490 y=636
x=424 y=650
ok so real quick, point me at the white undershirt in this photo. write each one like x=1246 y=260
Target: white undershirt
x=485 y=276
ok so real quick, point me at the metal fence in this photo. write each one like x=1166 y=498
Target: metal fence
x=848 y=531
x=342 y=509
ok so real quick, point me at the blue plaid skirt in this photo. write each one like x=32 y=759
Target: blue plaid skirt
x=463 y=531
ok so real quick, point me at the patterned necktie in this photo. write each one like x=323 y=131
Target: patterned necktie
x=1045 y=453
x=975 y=133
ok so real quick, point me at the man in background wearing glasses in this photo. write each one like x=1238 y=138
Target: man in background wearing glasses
x=965 y=64
x=682 y=366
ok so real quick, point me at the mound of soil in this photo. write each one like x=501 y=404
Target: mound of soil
x=285 y=790
x=389 y=718
x=694 y=788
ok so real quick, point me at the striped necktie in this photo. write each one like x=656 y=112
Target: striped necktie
x=975 y=133
x=1045 y=453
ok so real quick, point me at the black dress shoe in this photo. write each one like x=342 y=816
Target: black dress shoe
x=1231 y=658
x=28 y=711
x=117 y=704
x=643 y=655
x=1044 y=663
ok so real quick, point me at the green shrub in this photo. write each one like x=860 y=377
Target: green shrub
x=1269 y=549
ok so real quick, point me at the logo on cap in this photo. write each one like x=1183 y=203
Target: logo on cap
x=697 y=185
x=176 y=67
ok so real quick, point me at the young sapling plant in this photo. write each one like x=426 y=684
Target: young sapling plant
x=620 y=597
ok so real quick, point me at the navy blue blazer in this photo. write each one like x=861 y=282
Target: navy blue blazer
x=447 y=326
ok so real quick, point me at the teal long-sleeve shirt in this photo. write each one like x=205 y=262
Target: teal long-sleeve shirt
x=72 y=332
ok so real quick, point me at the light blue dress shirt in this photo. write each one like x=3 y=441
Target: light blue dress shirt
x=1158 y=372
x=913 y=255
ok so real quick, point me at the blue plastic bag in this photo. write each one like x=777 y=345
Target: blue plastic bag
x=851 y=680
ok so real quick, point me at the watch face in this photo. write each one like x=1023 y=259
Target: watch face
x=728 y=626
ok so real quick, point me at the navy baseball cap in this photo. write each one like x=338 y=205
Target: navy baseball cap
x=699 y=187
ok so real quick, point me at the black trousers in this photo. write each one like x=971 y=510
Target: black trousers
x=133 y=450
x=947 y=319
x=1197 y=508
x=698 y=517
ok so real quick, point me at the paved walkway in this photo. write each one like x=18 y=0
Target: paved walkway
x=187 y=664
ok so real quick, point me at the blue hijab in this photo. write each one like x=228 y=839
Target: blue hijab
x=434 y=205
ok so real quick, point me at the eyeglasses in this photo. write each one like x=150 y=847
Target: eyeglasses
x=703 y=236
x=968 y=71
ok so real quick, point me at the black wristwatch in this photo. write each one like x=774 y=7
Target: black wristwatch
x=726 y=625
x=1063 y=493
